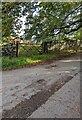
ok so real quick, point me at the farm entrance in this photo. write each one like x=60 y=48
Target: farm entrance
x=24 y=49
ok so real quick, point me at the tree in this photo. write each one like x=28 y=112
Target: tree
x=10 y=17
x=47 y=19
x=44 y=20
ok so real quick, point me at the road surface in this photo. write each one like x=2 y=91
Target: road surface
x=43 y=91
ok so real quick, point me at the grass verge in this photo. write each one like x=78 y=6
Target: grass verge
x=18 y=62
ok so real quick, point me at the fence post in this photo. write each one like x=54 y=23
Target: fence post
x=17 y=44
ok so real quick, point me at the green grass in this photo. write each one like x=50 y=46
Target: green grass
x=30 y=54
x=28 y=60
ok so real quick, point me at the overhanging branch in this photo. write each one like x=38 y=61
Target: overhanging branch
x=71 y=13
x=73 y=30
x=73 y=23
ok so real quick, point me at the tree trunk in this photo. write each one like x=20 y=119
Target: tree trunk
x=45 y=47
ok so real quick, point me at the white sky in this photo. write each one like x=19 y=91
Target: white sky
x=23 y=18
x=23 y=26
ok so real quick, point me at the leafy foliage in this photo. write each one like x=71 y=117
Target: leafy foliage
x=43 y=19
x=10 y=17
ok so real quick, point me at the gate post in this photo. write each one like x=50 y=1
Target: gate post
x=17 y=44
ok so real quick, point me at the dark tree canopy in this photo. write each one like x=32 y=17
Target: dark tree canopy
x=43 y=19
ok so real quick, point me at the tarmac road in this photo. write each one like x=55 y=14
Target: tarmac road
x=43 y=91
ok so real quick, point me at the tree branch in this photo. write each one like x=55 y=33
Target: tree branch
x=73 y=30
x=73 y=23
x=71 y=13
